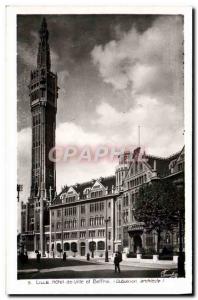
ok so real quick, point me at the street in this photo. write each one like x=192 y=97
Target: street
x=75 y=268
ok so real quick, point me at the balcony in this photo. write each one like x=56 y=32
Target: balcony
x=136 y=227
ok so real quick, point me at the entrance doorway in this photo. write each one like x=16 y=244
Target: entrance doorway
x=137 y=243
x=82 y=249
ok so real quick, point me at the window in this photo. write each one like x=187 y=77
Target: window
x=66 y=235
x=96 y=194
x=66 y=246
x=96 y=220
x=74 y=210
x=58 y=213
x=101 y=232
x=109 y=235
x=149 y=240
x=74 y=235
x=101 y=206
x=82 y=234
x=74 y=247
x=91 y=221
x=58 y=225
x=83 y=223
x=92 y=233
x=82 y=209
x=101 y=245
x=92 y=246
x=101 y=220
x=109 y=204
x=74 y=223
x=58 y=247
x=58 y=236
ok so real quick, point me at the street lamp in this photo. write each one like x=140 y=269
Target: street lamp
x=106 y=246
x=92 y=246
x=19 y=189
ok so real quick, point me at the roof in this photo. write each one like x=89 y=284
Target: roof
x=162 y=163
x=107 y=182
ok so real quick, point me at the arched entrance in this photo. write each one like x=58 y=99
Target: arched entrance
x=82 y=249
x=137 y=241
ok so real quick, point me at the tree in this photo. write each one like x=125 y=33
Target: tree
x=159 y=205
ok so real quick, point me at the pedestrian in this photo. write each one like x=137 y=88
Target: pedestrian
x=120 y=256
x=117 y=263
x=64 y=256
x=38 y=256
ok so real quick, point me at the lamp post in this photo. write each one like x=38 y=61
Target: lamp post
x=92 y=246
x=106 y=246
x=62 y=229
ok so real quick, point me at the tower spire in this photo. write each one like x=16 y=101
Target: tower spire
x=43 y=57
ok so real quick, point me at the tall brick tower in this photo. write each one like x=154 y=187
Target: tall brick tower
x=43 y=101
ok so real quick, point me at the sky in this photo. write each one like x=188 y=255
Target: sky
x=115 y=73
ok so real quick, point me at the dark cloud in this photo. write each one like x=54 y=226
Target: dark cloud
x=72 y=38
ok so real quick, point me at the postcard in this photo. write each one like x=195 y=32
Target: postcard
x=99 y=160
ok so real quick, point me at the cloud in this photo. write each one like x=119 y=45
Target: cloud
x=161 y=127
x=150 y=63
x=27 y=54
x=24 y=140
x=67 y=172
x=69 y=133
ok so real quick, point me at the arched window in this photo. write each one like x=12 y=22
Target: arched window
x=92 y=246
x=74 y=247
x=101 y=245
x=66 y=246
x=58 y=247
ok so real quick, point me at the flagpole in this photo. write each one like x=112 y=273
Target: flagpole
x=138 y=135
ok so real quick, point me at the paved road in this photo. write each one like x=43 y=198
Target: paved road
x=73 y=268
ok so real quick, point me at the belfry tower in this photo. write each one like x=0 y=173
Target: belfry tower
x=43 y=93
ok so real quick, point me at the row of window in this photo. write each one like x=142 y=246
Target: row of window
x=69 y=199
x=67 y=224
x=97 y=206
x=96 y=194
x=93 y=221
x=137 y=181
x=70 y=211
x=96 y=221
x=74 y=247
x=82 y=234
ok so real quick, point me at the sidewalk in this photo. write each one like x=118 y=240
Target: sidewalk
x=149 y=264
x=100 y=264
